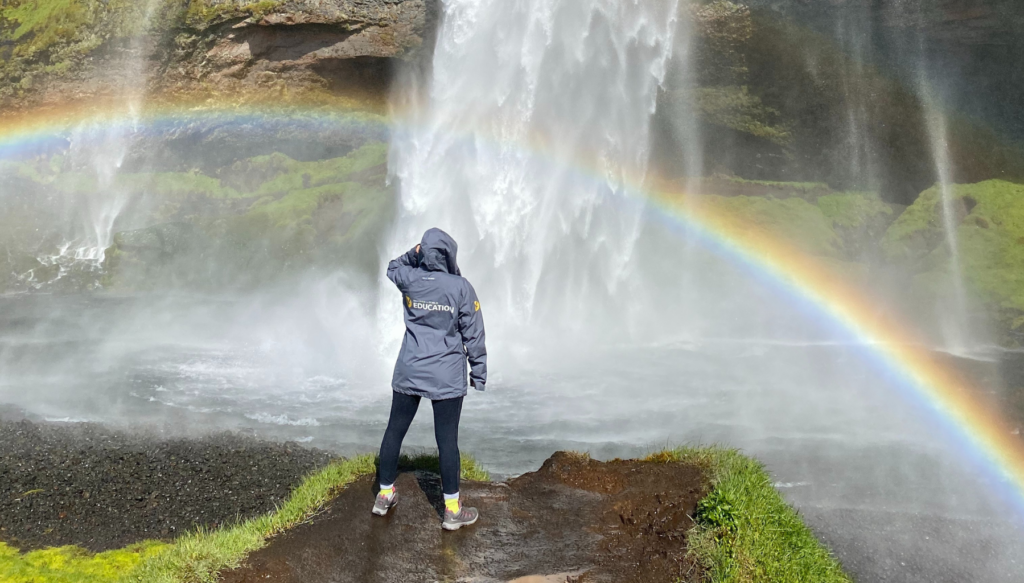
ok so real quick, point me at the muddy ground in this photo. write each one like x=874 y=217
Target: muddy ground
x=574 y=520
x=101 y=489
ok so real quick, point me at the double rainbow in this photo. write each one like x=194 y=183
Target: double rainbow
x=963 y=415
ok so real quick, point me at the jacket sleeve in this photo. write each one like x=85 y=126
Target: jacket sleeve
x=471 y=326
x=399 y=269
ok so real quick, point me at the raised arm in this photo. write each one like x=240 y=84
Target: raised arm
x=399 y=268
x=471 y=326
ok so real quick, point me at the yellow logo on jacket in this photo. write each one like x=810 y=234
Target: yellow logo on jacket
x=408 y=301
x=476 y=306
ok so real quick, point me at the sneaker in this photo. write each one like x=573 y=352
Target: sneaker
x=465 y=517
x=383 y=503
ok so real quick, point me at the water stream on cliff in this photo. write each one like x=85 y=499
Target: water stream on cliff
x=97 y=149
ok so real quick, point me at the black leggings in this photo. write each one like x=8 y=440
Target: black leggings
x=446 y=432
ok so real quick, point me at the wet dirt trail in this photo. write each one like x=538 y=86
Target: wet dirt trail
x=575 y=519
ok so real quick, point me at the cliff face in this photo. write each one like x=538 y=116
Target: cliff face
x=56 y=50
x=970 y=48
x=835 y=91
x=340 y=44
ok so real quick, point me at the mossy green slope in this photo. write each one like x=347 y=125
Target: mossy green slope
x=795 y=220
x=52 y=37
x=990 y=232
x=238 y=225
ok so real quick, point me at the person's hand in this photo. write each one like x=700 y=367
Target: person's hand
x=417 y=248
x=473 y=384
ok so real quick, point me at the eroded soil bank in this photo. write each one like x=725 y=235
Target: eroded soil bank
x=575 y=518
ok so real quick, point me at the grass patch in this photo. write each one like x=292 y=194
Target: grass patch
x=203 y=14
x=471 y=469
x=745 y=531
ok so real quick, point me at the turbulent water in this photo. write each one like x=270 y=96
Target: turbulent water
x=535 y=121
x=609 y=331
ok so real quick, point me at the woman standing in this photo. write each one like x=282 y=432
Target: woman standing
x=443 y=328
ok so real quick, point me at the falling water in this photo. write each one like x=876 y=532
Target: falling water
x=953 y=311
x=98 y=149
x=524 y=94
x=952 y=315
x=853 y=33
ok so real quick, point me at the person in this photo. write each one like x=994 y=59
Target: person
x=444 y=328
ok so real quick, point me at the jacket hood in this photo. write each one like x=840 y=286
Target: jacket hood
x=438 y=251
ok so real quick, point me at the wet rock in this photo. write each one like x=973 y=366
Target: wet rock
x=337 y=44
x=251 y=48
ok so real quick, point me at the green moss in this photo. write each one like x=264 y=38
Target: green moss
x=854 y=209
x=917 y=231
x=175 y=184
x=790 y=219
x=40 y=24
x=292 y=199
x=291 y=175
x=860 y=219
x=204 y=13
x=298 y=206
x=736 y=108
x=261 y=219
x=990 y=236
x=53 y=37
x=73 y=564
x=745 y=531
x=992 y=241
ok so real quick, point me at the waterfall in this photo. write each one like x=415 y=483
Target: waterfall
x=97 y=149
x=952 y=310
x=953 y=314
x=532 y=124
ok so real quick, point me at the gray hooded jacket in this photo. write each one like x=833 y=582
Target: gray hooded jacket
x=443 y=322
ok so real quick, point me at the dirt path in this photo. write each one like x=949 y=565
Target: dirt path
x=575 y=519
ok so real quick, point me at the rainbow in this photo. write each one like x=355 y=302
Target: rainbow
x=975 y=425
x=980 y=430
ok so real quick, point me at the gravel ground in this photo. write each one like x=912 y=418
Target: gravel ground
x=87 y=485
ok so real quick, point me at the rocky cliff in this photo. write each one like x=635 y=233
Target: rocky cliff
x=57 y=50
x=849 y=92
